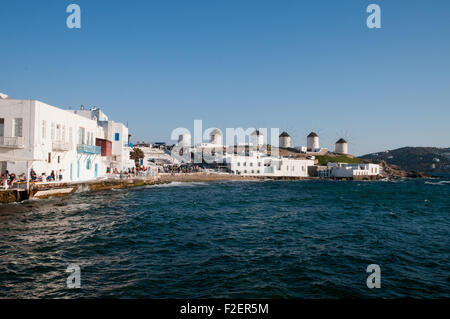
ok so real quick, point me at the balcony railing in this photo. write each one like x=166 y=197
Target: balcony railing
x=61 y=146
x=12 y=142
x=88 y=149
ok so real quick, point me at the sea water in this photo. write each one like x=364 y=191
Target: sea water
x=268 y=239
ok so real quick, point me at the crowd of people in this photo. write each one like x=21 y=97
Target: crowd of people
x=173 y=169
x=53 y=177
x=11 y=180
x=137 y=171
x=143 y=171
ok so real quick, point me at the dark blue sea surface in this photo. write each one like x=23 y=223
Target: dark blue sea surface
x=303 y=239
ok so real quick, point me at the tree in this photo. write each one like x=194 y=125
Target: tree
x=137 y=154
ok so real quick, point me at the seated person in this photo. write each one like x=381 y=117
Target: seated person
x=33 y=175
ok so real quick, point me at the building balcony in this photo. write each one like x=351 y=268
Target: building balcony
x=61 y=146
x=88 y=149
x=12 y=142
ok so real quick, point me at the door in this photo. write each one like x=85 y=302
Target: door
x=2 y=127
x=78 y=169
x=96 y=170
x=71 y=171
x=3 y=166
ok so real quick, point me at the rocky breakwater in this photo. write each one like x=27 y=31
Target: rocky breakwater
x=395 y=172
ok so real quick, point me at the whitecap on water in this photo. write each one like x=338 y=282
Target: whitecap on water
x=176 y=184
x=437 y=183
x=82 y=189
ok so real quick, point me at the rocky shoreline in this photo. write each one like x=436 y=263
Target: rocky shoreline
x=395 y=172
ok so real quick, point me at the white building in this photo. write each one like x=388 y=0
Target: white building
x=312 y=142
x=46 y=138
x=284 y=140
x=157 y=156
x=112 y=132
x=302 y=149
x=259 y=164
x=344 y=170
x=341 y=147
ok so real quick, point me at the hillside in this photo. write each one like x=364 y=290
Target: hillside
x=430 y=160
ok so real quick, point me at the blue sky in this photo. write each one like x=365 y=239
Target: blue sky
x=296 y=65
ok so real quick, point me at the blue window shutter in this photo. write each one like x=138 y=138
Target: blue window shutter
x=117 y=137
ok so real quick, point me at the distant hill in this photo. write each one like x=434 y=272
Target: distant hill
x=430 y=160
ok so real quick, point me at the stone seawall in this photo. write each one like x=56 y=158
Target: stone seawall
x=12 y=196
x=64 y=189
x=47 y=190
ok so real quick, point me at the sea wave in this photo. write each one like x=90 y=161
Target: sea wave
x=178 y=184
x=437 y=183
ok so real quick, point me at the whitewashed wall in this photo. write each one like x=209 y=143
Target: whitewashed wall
x=268 y=166
x=61 y=127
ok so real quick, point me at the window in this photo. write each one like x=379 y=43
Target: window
x=52 y=132
x=238 y=163
x=17 y=124
x=49 y=157
x=44 y=129
x=59 y=159
x=81 y=135
x=259 y=164
x=88 y=164
x=251 y=164
x=2 y=127
x=245 y=164
x=58 y=132
x=117 y=137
